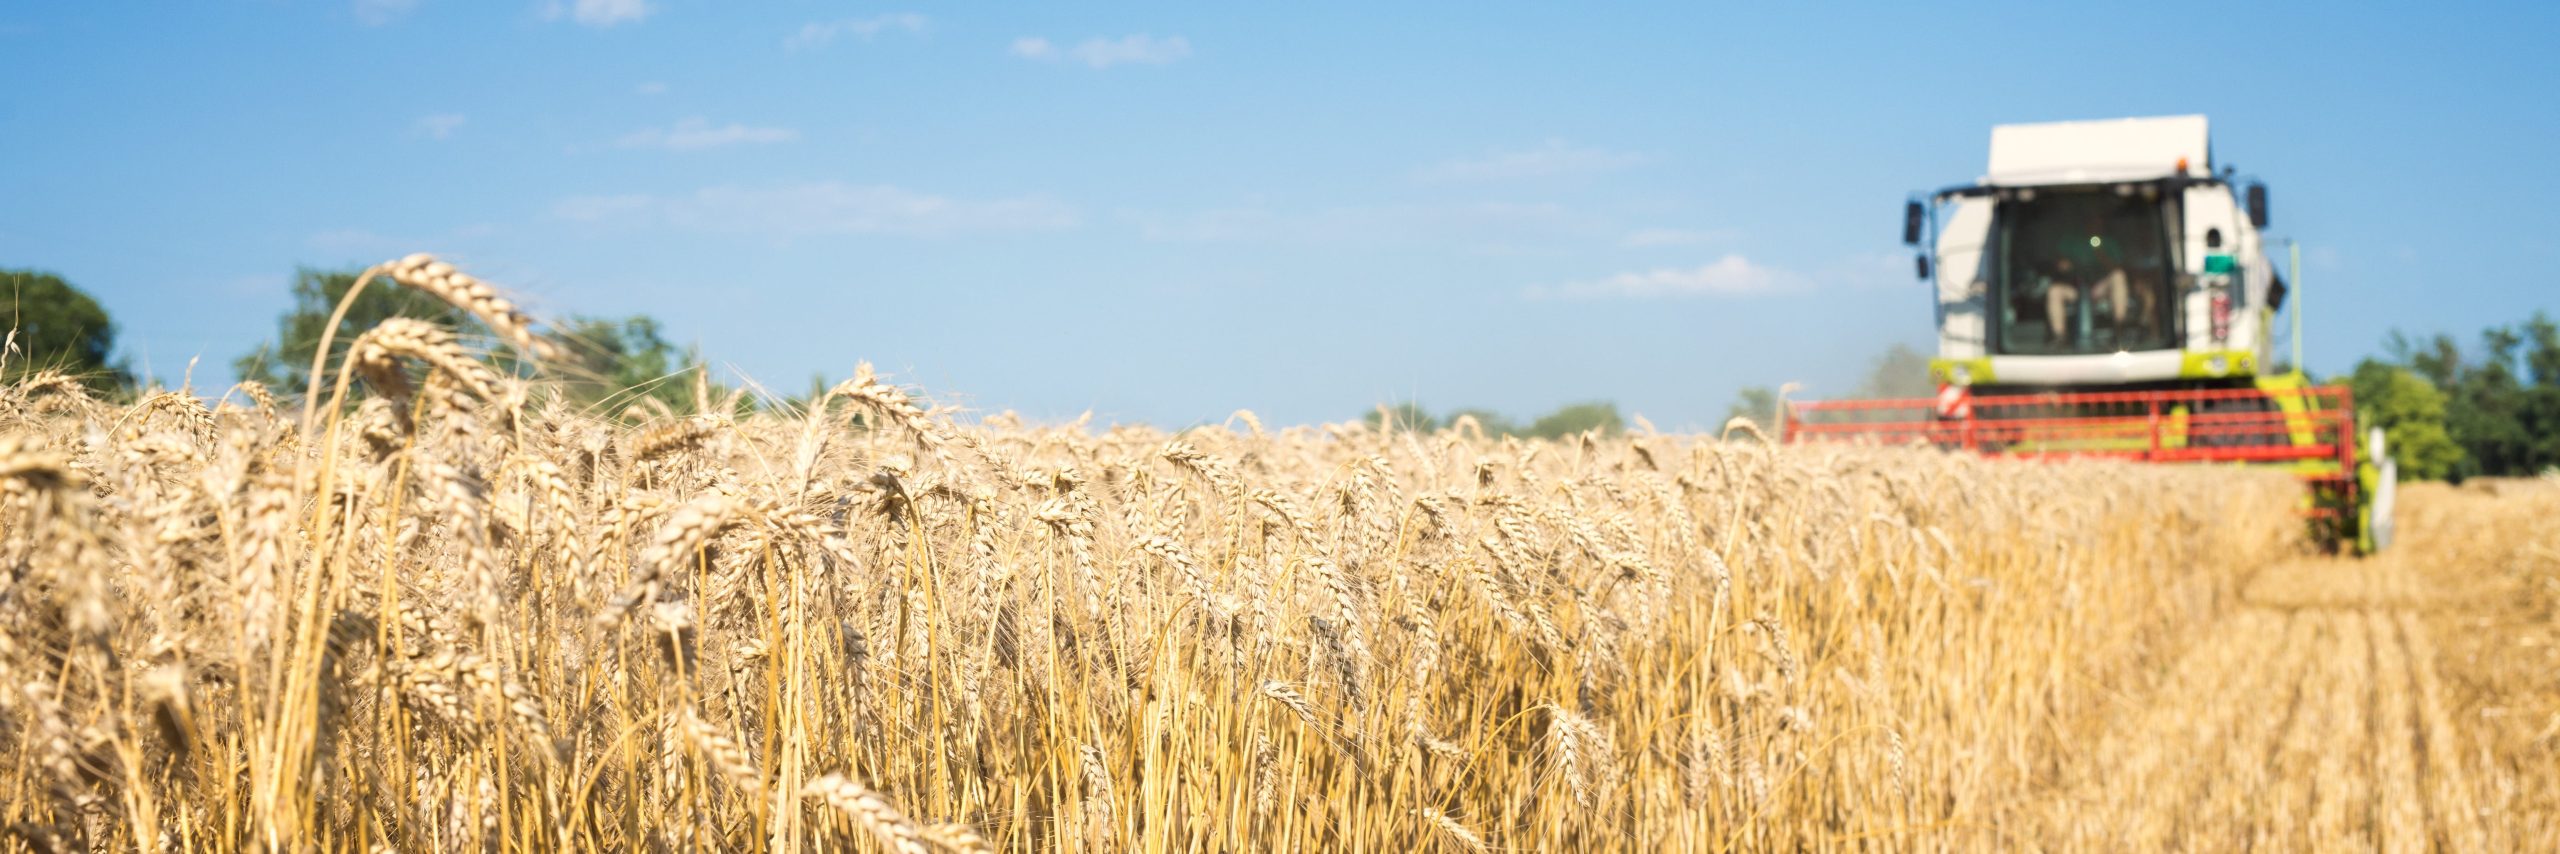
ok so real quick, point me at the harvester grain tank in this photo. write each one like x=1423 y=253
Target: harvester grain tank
x=2106 y=290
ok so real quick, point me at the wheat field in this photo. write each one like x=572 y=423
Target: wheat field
x=429 y=607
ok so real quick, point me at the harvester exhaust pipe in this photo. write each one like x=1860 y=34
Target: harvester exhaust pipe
x=2296 y=265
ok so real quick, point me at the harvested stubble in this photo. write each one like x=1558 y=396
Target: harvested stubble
x=2488 y=556
x=2403 y=702
x=503 y=625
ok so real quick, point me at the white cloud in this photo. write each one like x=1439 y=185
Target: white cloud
x=819 y=208
x=1034 y=47
x=696 y=133
x=1730 y=276
x=375 y=13
x=597 y=13
x=439 y=125
x=1870 y=270
x=1644 y=237
x=653 y=87
x=817 y=34
x=1136 y=49
x=1556 y=158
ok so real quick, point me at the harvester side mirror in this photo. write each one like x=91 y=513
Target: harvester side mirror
x=2258 y=205
x=1922 y=263
x=1912 y=215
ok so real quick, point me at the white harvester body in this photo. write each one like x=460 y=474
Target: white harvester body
x=2104 y=292
x=2097 y=253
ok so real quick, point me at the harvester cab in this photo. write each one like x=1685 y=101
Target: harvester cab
x=2100 y=254
x=2104 y=291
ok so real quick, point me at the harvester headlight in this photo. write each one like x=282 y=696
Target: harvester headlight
x=1963 y=374
x=2217 y=366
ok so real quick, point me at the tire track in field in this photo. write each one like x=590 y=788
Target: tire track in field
x=2309 y=719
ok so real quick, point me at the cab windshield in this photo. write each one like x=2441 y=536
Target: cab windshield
x=2084 y=271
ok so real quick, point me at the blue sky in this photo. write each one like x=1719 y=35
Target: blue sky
x=1165 y=212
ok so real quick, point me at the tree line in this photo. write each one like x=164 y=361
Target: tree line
x=1901 y=371
x=612 y=363
x=2451 y=412
x=2447 y=411
x=1566 y=420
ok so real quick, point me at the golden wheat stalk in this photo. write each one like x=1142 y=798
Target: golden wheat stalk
x=424 y=273
x=871 y=811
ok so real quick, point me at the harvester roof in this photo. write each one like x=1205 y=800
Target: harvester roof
x=2090 y=152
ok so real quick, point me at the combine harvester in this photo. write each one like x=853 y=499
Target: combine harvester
x=2104 y=292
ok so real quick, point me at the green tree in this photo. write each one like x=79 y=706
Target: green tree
x=613 y=363
x=1574 y=418
x=2543 y=362
x=1756 y=402
x=604 y=362
x=2487 y=412
x=1494 y=423
x=2501 y=402
x=1900 y=372
x=2538 y=410
x=1566 y=421
x=1408 y=415
x=2411 y=413
x=2540 y=414
x=54 y=326
x=283 y=364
